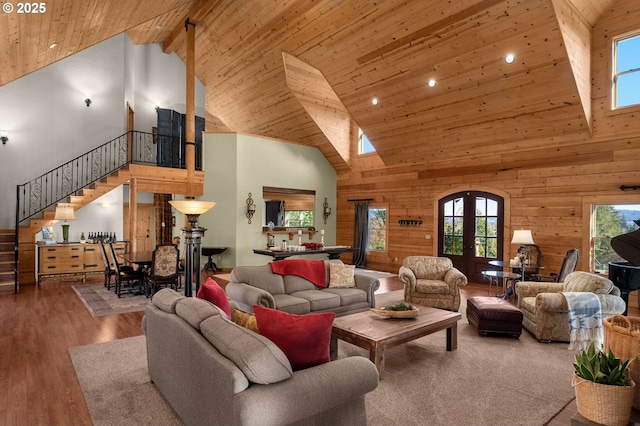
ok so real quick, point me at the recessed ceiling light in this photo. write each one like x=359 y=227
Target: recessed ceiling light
x=52 y=45
x=509 y=58
x=374 y=101
x=158 y=27
x=432 y=83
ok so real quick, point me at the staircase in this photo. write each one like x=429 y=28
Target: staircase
x=79 y=182
x=148 y=179
x=7 y=261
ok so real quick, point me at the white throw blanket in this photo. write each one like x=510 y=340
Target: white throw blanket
x=585 y=317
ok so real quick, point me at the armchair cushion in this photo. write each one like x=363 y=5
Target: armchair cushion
x=303 y=338
x=429 y=268
x=585 y=282
x=432 y=287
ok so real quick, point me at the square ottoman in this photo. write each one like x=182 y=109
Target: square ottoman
x=494 y=315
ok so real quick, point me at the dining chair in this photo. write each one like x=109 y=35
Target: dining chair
x=125 y=276
x=164 y=269
x=109 y=269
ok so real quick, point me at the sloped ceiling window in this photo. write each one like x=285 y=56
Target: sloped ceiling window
x=364 y=146
x=626 y=72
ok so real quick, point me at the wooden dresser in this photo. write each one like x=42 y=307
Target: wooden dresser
x=72 y=259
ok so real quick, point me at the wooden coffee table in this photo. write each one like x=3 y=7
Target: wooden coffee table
x=375 y=333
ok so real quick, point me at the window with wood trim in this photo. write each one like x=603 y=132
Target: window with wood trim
x=377 y=228
x=610 y=220
x=626 y=70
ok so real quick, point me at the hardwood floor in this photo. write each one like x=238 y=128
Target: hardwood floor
x=38 y=385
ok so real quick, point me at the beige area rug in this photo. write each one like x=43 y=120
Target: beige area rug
x=101 y=301
x=486 y=381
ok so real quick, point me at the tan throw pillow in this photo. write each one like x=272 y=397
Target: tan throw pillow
x=341 y=276
x=245 y=320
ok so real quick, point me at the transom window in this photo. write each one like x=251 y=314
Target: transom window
x=364 y=145
x=626 y=70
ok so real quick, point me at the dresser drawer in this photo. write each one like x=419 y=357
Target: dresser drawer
x=62 y=267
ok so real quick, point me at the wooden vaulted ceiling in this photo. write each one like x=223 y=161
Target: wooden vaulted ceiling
x=277 y=68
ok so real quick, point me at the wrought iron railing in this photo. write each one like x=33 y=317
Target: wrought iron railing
x=44 y=191
x=132 y=147
x=135 y=147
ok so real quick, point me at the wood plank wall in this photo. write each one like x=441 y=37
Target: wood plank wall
x=550 y=191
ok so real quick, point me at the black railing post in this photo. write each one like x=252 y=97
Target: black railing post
x=16 y=286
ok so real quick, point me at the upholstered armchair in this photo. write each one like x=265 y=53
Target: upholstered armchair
x=545 y=310
x=432 y=281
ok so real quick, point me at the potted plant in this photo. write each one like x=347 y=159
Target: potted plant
x=604 y=390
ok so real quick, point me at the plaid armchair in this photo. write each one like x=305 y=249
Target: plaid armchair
x=432 y=281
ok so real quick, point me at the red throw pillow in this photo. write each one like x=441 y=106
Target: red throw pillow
x=303 y=338
x=212 y=292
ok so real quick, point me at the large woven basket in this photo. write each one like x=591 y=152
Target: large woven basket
x=622 y=336
x=604 y=404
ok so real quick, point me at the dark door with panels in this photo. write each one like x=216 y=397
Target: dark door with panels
x=470 y=228
x=171 y=139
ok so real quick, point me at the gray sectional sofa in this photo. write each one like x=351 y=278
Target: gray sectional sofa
x=215 y=372
x=258 y=285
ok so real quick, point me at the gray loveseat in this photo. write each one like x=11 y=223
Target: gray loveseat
x=215 y=372
x=258 y=285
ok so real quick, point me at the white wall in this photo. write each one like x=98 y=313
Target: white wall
x=237 y=164
x=49 y=123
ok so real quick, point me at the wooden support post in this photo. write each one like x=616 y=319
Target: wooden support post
x=190 y=147
x=133 y=214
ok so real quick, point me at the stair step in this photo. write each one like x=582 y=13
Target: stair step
x=7 y=256
x=7 y=238
x=7 y=277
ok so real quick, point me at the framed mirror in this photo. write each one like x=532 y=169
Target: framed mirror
x=288 y=207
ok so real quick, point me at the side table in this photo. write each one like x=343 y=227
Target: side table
x=494 y=278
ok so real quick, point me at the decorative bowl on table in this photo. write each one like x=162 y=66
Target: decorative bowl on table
x=397 y=310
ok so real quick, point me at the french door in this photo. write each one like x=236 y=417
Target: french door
x=470 y=228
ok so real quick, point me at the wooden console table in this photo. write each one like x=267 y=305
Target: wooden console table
x=72 y=259
x=332 y=252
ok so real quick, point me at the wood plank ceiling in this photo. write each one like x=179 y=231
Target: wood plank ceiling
x=480 y=108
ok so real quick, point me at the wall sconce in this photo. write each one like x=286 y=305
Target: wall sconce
x=326 y=210
x=4 y=136
x=105 y=204
x=251 y=208
x=88 y=102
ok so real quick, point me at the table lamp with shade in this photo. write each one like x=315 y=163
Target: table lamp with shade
x=64 y=212
x=193 y=238
x=522 y=237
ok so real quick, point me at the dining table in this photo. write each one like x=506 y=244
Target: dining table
x=141 y=258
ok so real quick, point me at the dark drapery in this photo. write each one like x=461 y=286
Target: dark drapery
x=361 y=234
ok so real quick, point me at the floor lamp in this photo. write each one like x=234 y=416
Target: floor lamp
x=64 y=212
x=522 y=237
x=193 y=239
